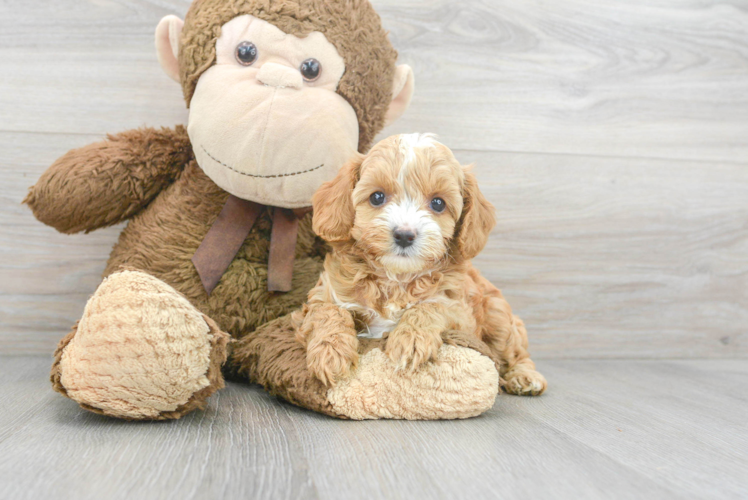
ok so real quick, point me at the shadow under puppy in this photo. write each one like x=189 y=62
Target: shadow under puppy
x=404 y=222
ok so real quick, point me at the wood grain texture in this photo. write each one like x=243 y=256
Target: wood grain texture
x=640 y=78
x=607 y=429
x=612 y=137
x=619 y=257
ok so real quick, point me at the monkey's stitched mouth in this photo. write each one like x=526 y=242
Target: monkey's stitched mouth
x=275 y=176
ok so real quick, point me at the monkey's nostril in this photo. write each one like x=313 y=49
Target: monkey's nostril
x=404 y=238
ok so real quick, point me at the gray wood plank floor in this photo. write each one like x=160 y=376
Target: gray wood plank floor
x=607 y=429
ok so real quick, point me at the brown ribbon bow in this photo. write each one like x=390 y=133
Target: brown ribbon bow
x=227 y=235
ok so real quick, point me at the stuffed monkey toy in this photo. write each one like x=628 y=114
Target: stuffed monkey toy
x=219 y=247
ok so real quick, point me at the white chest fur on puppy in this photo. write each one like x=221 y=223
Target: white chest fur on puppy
x=375 y=324
x=380 y=324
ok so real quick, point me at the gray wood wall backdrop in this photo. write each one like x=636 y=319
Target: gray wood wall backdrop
x=612 y=137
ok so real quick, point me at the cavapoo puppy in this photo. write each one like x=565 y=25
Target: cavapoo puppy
x=404 y=222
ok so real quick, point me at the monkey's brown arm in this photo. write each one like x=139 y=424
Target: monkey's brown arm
x=109 y=181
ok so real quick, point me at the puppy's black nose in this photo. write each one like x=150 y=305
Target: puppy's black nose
x=404 y=237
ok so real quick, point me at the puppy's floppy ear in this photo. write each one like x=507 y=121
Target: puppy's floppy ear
x=333 y=203
x=477 y=219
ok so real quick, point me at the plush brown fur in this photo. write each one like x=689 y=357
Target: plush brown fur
x=109 y=181
x=150 y=178
x=351 y=25
x=272 y=357
x=163 y=236
x=218 y=354
x=444 y=292
x=162 y=240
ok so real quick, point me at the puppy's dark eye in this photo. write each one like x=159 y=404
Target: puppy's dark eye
x=377 y=199
x=246 y=53
x=310 y=69
x=438 y=205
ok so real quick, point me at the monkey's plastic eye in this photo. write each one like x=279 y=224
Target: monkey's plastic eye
x=377 y=199
x=438 y=205
x=246 y=53
x=310 y=69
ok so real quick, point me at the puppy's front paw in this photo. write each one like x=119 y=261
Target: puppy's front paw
x=410 y=348
x=331 y=357
x=524 y=382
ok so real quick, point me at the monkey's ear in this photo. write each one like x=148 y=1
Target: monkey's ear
x=168 y=32
x=477 y=220
x=334 y=212
x=403 y=86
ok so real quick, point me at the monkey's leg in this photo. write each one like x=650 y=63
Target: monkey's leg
x=460 y=383
x=141 y=351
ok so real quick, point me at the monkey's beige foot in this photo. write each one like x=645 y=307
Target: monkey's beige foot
x=141 y=351
x=460 y=383
x=524 y=381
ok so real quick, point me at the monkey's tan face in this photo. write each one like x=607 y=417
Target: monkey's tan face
x=266 y=123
